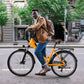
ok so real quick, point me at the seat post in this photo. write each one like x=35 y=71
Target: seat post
x=55 y=44
x=56 y=41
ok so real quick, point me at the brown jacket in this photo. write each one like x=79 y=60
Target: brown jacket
x=41 y=34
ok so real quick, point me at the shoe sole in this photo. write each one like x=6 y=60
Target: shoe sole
x=43 y=74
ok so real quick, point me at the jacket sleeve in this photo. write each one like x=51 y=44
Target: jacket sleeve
x=38 y=25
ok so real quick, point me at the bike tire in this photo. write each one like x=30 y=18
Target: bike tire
x=59 y=70
x=14 y=69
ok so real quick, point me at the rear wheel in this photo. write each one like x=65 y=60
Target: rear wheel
x=19 y=67
x=70 y=64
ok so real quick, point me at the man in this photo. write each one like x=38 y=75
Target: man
x=43 y=39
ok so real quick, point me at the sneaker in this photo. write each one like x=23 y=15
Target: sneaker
x=39 y=73
x=45 y=70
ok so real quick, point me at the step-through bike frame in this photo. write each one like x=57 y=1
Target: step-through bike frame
x=47 y=59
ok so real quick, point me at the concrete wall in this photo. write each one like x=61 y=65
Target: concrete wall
x=8 y=29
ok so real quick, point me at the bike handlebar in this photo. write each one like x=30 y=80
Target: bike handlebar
x=26 y=34
x=31 y=34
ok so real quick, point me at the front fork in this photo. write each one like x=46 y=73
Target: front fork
x=23 y=59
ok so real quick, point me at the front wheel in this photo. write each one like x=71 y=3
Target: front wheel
x=17 y=65
x=70 y=64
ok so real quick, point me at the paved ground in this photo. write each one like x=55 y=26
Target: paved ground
x=6 y=77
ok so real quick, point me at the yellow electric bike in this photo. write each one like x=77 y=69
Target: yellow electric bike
x=21 y=62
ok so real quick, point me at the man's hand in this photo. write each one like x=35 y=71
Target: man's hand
x=27 y=30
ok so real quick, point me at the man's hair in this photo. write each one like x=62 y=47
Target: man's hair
x=35 y=9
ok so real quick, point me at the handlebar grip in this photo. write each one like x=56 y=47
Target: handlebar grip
x=31 y=34
x=26 y=36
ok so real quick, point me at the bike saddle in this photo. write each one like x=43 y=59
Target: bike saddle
x=57 y=40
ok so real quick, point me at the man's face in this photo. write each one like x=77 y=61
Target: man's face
x=35 y=14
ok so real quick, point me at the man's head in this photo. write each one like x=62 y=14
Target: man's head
x=35 y=13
